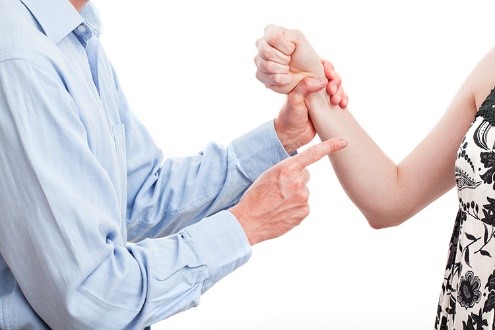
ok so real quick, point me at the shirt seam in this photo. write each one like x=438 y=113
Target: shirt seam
x=38 y=67
x=13 y=55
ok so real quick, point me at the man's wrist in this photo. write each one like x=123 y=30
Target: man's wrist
x=290 y=144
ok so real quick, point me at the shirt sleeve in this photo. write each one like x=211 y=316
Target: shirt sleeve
x=164 y=197
x=60 y=232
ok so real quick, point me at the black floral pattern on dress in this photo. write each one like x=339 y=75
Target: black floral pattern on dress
x=461 y=217
x=468 y=293
x=443 y=325
x=490 y=301
x=462 y=154
x=475 y=322
x=489 y=212
x=481 y=134
x=488 y=161
x=464 y=179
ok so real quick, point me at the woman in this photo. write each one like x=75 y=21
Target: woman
x=458 y=151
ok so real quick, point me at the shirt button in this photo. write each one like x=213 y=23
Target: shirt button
x=81 y=29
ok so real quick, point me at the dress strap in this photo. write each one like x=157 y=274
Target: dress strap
x=487 y=108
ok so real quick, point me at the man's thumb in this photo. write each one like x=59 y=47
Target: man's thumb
x=310 y=85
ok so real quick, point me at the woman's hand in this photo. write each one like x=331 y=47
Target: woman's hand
x=334 y=86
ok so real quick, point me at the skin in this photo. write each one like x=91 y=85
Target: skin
x=282 y=63
x=387 y=193
x=278 y=200
x=78 y=4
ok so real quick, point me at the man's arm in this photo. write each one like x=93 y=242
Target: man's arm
x=165 y=196
x=61 y=230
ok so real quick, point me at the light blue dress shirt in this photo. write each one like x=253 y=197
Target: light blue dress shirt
x=97 y=231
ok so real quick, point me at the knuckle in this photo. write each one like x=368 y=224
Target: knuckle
x=265 y=53
x=295 y=99
x=304 y=195
x=335 y=98
x=306 y=82
x=301 y=193
x=259 y=42
x=298 y=34
x=264 y=65
x=333 y=145
x=277 y=78
x=273 y=38
x=285 y=171
x=328 y=65
x=305 y=210
x=314 y=154
x=257 y=60
x=260 y=76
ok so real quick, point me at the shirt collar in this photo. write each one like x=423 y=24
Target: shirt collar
x=92 y=18
x=58 y=18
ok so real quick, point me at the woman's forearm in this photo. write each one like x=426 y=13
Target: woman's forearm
x=367 y=175
x=386 y=193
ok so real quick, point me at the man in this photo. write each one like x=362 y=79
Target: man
x=97 y=231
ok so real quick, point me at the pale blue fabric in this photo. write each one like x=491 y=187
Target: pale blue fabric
x=97 y=231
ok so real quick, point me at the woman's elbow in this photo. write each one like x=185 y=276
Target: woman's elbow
x=384 y=221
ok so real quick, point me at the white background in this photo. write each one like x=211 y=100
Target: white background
x=187 y=67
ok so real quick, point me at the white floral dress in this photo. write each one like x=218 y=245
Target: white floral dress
x=467 y=300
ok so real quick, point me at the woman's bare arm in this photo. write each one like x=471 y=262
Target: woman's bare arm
x=388 y=193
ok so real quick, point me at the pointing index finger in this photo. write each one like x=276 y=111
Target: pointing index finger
x=317 y=152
